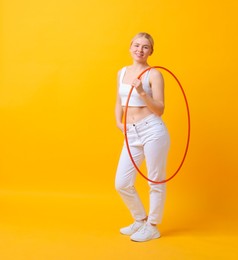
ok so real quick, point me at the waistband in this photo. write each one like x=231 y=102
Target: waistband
x=146 y=120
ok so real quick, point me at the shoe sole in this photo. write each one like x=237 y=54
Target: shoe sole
x=126 y=234
x=153 y=237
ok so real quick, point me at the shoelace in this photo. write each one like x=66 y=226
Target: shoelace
x=142 y=229
x=134 y=224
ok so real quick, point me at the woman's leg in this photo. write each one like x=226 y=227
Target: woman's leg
x=125 y=179
x=156 y=152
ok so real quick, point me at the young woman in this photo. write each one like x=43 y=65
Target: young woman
x=147 y=136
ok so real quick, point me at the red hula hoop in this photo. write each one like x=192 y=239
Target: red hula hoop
x=188 y=136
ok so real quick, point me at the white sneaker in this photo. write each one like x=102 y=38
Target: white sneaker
x=132 y=228
x=145 y=233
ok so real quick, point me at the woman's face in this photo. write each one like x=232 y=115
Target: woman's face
x=141 y=49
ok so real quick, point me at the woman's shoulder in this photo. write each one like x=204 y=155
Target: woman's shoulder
x=155 y=73
x=121 y=70
x=156 y=76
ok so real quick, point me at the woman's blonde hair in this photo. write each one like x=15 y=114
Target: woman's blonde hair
x=147 y=36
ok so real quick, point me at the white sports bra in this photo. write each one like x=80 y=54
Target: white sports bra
x=135 y=99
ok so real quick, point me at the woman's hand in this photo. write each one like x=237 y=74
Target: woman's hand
x=121 y=126
x=137 y=84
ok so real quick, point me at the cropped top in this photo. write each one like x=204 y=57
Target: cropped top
x=135 y=99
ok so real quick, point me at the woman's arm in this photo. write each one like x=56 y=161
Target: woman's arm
x=156 y=102
x=118 y=108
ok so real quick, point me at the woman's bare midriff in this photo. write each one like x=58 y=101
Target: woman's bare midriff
x=135 y=114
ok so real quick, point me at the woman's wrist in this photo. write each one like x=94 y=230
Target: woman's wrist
x=119 y=124
x=142 y=94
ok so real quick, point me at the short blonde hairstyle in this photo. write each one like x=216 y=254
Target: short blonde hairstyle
x=147 y=36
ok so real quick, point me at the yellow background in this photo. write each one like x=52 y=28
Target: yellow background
x=60 y=146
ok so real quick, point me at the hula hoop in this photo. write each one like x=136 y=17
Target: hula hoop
x=188 y=135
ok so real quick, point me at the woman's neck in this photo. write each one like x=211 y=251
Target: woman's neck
x=139 y=66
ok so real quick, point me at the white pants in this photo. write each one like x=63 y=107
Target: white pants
x=148 y=139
